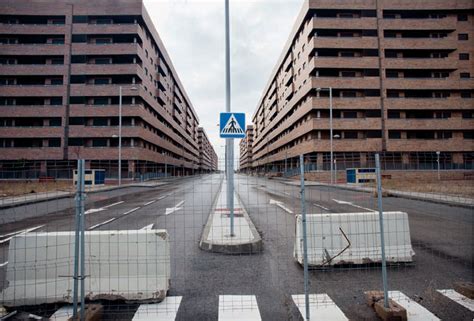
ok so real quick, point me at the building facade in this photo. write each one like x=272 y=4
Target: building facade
x=65 y=69
x=207 y=154
x=245 y=164
x=401 y=78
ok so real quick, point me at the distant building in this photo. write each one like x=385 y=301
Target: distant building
x=401 y=74
x=61 y=66
x=246 y=150
x=207 y=155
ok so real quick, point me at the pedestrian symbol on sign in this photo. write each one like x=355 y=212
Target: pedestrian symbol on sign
x=232 y=125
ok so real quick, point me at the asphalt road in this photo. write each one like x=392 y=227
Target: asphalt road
x=442 y=237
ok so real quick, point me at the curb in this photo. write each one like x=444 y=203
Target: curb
x=253 y=247
x=393 y=194
x=70 y=195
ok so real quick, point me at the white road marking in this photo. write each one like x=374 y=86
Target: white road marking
x=114 y=204
x=150 y=202
x=100 y=209
x=458 y=298
x=321 y=207
x=3 y=264
x=286 y=193
x=281 y=205
x=148 y=227
x=18 y=233
x=355 y=205
x=321 y=307
x=166 y=310
x=238 y=307
x=103 y=223
x=62 y=314
x=415 y=312
x=131 y=211
x=171 y=210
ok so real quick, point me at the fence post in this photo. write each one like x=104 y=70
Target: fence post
x=305 y=240
x=79 y=243
x=382 y=235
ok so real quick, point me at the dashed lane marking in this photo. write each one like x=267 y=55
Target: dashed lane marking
x=103 y=223
x=13 y=234
x=148 y=227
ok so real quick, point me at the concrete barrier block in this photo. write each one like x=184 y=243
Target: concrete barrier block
x=131 y=265
x=353 y=238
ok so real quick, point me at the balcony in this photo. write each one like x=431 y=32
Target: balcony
x=14 y=70
x=103 y=90
x=429 y=124
x=347 y=103
x=429 y=145
x=430 y=103
x=33 y=153
x=346 y=82
x=419 y=63
x=32 y=90
x=426 y=83
x=32 y=132
x=111 y=69
x=344 y=62
x=127 y=28
x=347 y=123
x=32 y=29
x=33 y=49
x=448 y=23
x=448 y=43
x=344 y=23
x=31 y=111
x=109 y=49
x=345 y=42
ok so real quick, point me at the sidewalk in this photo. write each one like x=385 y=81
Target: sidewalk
x=429 y=197
x=216 y=235
x=26 y=199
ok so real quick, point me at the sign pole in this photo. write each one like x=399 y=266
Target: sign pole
x=229 y=141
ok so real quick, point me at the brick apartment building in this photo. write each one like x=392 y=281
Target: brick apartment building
x=62 y=64
x=401 y=74
x=207 y=155
x=246 y=149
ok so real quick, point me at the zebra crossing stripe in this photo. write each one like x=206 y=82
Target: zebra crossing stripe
x=166 y=310
x=321 y=307
x=458 y=298
x=238 y=307
x=415 y=312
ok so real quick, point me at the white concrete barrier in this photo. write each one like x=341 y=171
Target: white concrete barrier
x=353 y=238
x=132 y=265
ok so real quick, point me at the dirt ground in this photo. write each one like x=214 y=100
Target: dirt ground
x=446 y=187
x=11 y=188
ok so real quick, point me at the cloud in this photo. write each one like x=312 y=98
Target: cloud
x=193 y=34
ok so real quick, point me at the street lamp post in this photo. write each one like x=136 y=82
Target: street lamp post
x=330 y=130
x=120 y=139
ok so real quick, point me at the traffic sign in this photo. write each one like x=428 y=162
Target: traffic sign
x=232 y=125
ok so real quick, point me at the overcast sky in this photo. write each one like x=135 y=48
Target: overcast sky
x=193 y=34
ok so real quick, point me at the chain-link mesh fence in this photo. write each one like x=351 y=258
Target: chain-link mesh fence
x=160 y=247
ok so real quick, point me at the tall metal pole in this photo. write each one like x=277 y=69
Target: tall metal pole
x=305 y=240
x=330 y=133
x=76 y=242
x=437 y=160
x=83 y=247
x=382 y=235
x=229 y=141
x=120 y=138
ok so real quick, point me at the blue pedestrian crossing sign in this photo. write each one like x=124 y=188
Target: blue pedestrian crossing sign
x=232 y=125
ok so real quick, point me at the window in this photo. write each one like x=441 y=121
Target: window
x=464 y=75
x=468 y=135
x=99 y=122
x=465 y=94
x=393 y=114
x=347 y=54
x=101 y=81
x=104 y=21
x=101 y=101
x=349 y=114
x=56 y=101
x=79 y=19
x=372 y=114
x=391 y=74
x=348 y=94
x=462 y=17
x=54 y=142
x=76 y=121
x=468 y=114
x=390 y=34
x=394 y=134
x=374 y=134
x=371 y=73
x=103 y=61
x=350 y=135
x=463 y=56
x=56 y=81
x=99 y=142
x=348 y=73
x=393 y=94
x=79 y=38
x=57 y=41
x=463 y=36
x=57 y=61
x=103 y=41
